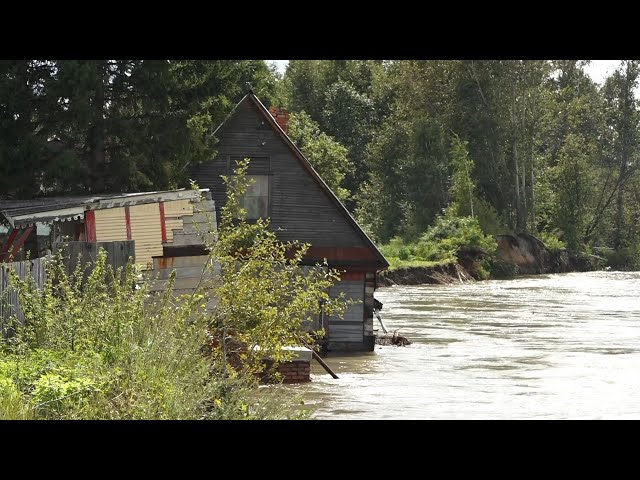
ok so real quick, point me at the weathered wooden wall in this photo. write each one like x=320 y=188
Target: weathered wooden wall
x=350 y=328
x=174 y=212
x=118 y=253
x=146 y=228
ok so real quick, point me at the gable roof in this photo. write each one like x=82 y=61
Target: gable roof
x=251 y=97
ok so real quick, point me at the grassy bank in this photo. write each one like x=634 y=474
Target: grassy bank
x=449 y=241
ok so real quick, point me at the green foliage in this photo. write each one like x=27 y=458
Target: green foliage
x=501 y=269
x=490 y=221
x=347 y=98
x=74 y=126
x=462 y=186
x=453 y=234
x=441 y=243
x=407 y=185
x=552 y=242
x=12 y=405
x=576 y=191
x=327 y=156
x=107 y=349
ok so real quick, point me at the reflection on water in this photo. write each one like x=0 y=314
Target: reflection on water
x=548 y=346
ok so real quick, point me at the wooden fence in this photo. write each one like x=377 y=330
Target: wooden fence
x=9 y=302
x=118 y=254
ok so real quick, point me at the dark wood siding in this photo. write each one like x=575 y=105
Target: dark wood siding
x=350 y=328
x=299 y=207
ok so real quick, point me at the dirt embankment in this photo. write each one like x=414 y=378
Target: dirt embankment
x=530 y=255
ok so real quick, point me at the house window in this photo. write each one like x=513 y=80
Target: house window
x=256 y=199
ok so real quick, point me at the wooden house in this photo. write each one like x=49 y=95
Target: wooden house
x=301 y=207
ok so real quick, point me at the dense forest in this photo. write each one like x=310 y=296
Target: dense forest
x=518 y=146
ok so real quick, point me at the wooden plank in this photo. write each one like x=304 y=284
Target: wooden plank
x=9 y=299
x=178 y=262
x=145 y=230
x=163 y=225
x=298 y=205
x=90 y=225
x=118 y=253
x=127 y=221
x=17 y=244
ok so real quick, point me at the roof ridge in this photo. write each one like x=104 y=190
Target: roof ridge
x=306 y=164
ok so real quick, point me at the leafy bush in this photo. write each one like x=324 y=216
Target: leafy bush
x=12 y=405
x=106 y=348
x=449 y=235
x=552 y=242
x=441 y=243
x=623 y=259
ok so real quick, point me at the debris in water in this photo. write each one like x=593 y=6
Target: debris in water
x=395 y=339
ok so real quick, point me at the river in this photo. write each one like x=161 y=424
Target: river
x=563 y=346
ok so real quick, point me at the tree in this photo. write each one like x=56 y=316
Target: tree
x=462 y=185
x=74 y=126
x=409 y=169
x=347 y=99
x=623 y=118
x=573 y=179
x=24 y=126
x=327 y=156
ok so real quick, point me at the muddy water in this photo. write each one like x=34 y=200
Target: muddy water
x=549 y=346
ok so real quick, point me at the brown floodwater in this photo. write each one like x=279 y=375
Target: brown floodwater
x=563 y=346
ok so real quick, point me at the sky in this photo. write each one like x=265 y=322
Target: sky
x=281 y=64
x=598 y=70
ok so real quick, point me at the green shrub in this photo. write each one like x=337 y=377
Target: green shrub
x=12 y=405
x=623 y=259
x=449 y=235
x=441 y=243
x=552 y=242
x=107 y=348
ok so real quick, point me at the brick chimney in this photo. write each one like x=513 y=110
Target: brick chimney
x=281 y=116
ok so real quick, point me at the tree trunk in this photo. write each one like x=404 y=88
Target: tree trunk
x=532 y=210
x=516 y=166
x=525 y=213
x=620 y=208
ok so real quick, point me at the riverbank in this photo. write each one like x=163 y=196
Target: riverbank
x=520 y=254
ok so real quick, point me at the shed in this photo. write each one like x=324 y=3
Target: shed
x=152 y=219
